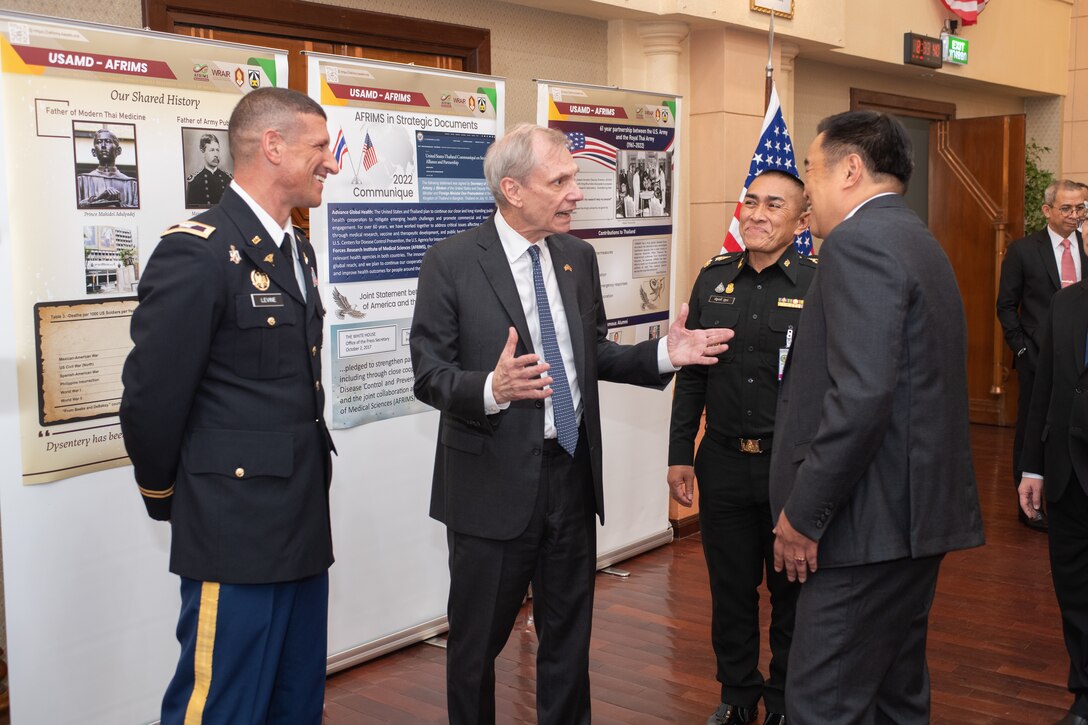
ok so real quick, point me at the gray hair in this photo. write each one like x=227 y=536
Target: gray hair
x=512 y=156
x=1051 y=191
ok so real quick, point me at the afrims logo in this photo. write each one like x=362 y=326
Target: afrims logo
x=447 y=100
x=200 y=72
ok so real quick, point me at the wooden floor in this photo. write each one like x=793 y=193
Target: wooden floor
x=995 y=645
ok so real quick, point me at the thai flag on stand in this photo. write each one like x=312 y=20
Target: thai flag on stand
x=340 y=148
x=773 y=151
x=370 y=156
x=593 y=149
x=967 y=10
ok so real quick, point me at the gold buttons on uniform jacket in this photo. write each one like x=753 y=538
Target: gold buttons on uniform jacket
x=239 y=472
x=271 y=321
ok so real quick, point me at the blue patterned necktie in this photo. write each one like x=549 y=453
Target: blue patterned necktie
x=566 y=425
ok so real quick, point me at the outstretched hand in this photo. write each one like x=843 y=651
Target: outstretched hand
x=519 y=378
x=695 y=347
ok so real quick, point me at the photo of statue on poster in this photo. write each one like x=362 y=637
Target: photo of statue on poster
x=111 y=182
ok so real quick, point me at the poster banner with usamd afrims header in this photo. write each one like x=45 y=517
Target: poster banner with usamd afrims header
x=410 y=143
x=110 y=136
x=624 y=143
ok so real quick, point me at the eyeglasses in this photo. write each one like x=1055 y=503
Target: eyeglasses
x=1068 y=209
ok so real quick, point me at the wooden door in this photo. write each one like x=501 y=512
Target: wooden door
x=976 y=207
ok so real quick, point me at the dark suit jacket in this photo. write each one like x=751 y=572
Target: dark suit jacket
x=1029 y=278
x=1056 y=441
x=222 y=404
x=871 y=452
x=487 y=468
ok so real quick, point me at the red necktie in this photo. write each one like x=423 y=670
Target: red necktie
x=1069 y=271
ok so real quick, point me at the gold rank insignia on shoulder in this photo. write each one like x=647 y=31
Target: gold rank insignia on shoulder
x=791 y=302
x=729 y=288
x=195 y=228
x=270 y=259
x=234 y=255
x=259 y=280
x=256 y=240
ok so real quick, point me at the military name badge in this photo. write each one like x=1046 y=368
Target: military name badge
x=791 y=302
x=234 y=255
x=720 y=300
x=272 y=299
x=259 y=280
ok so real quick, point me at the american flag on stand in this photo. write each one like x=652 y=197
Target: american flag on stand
x=370 y=156
x=774 y=151
x=593 y=149
x=967 y=10
x=340 y=148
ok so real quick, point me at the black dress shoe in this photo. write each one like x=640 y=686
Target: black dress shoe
x=1072 y=719
x=1039 y=523
x=732 y=715
x=773 y=718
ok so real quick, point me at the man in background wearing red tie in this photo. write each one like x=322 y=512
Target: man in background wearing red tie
x=1035 y=267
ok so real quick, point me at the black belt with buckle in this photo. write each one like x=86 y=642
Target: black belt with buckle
x=744 y=445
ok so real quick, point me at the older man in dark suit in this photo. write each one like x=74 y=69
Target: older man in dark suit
x=1034 y=268
x=223 y=420
x=1056 y=445
x=871 y=473
x=508 y=341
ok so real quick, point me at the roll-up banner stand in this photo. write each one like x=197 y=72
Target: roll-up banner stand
x=625 y=143
x=410 y=143
x=105 y=135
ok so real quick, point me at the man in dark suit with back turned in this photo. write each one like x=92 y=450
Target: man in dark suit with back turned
x=871 y=474
x=223 y=419
x=508 y=341
x=1034 y=268
x=1056 y=445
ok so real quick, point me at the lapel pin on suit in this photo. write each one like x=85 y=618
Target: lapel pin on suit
x=270 y=259
x=567 y=268
x=235 y=256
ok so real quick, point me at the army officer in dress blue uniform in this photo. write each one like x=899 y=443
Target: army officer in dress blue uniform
x=759 y=293
x=205 y=188
x=222 y=416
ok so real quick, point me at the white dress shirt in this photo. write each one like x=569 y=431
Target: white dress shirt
x=516 y=248
x=275 y=232
x=1074 y=250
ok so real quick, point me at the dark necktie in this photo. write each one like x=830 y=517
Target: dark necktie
x=566 y=425
x=288 y=252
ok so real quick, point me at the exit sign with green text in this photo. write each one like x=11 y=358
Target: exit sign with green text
x=955 y=49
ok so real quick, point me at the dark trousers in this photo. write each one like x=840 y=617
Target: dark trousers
x=1026 y=378
x=1069 y=567
x=251 y=654
x=557 y=553
x=859 y=647
x=735 y=526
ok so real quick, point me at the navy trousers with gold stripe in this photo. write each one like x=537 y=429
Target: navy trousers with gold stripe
x=250 y=653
